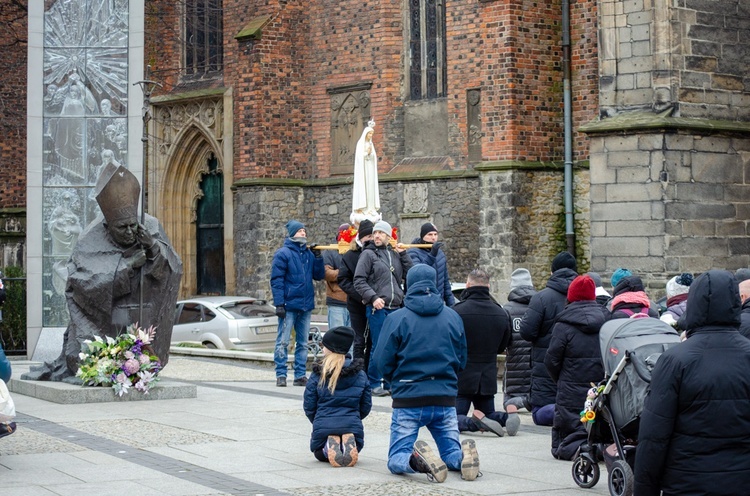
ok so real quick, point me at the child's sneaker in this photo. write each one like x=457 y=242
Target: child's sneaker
x=425 y=461
x=335 y=455
x=349 y=448
x=470 y=462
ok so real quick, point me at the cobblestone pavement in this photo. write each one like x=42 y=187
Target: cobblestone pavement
x=240 y=436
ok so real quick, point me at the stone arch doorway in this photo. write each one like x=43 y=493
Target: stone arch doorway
x=187 y=192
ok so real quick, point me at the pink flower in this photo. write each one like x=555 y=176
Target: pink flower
x=131 y=366
x=144 y=359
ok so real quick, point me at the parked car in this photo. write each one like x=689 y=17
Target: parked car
x=226 y=322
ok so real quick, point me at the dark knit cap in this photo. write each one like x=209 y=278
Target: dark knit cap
x=596 y=278
x=365 y=228
x=339 y=339
x=582 y=288
x=742 y=274
x=427 y=227
x=629 y=284
x=564 y=260
x=293 y=226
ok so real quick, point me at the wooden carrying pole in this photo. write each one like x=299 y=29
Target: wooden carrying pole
x=344 y=247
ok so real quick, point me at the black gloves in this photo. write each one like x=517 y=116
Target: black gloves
x=435 y=248
x=317 y=253
x=280 y=311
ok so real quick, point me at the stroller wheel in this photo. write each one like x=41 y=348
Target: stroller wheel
x=585 y=472
x=621 y=479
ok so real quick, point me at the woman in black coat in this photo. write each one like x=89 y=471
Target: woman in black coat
x=694 y=435
x=574 y=361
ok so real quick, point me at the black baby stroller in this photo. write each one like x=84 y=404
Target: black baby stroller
x=630 y=349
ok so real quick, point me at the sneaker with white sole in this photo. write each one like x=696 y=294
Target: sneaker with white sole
x=470 y=462
x=425 y=461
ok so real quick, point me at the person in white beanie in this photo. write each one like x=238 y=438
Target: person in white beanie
x=379 y=278
x=677 y=293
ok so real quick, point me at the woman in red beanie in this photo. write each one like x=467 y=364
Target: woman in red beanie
x=574 y=361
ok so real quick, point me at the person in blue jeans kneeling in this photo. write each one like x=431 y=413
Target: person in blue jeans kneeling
x=420 y=351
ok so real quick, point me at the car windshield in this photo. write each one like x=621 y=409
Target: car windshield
x=249 y=309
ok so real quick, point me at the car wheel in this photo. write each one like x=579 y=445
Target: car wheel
x=209 y=345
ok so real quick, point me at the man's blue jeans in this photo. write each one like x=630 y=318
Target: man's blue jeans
x=338 y=316
x=300 y=321
x=442 y=424
x=375 y=319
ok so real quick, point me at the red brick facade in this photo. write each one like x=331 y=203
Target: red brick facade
x=509 y=49
x=13 y=48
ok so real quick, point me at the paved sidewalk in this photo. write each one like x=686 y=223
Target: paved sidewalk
x=241 y=436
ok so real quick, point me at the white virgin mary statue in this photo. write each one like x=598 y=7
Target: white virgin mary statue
x=365 y=192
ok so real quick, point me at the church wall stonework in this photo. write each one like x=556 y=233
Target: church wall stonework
x=497 y=220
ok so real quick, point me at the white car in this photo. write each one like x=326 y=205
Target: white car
x=226 y=322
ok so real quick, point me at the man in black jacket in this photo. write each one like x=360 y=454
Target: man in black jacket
x=354 y=302
x=488 y=333
x=536 y=327
x=694 y=435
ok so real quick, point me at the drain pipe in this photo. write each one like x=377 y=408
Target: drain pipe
x=570 y=235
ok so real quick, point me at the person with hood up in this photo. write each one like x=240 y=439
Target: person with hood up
x=629 y=299
x=337 y=398
x=517 y=376
x=536 y=327
x=694 y=435
x=420 y=352
x=435 y=258
x=574 y=362
x=677 y=293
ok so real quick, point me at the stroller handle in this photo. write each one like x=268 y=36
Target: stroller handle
x=640 y=368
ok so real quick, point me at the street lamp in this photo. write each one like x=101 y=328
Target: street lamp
x=148 y=87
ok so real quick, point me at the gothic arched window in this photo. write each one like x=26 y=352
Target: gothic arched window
x=204 y=41
x=427 y=49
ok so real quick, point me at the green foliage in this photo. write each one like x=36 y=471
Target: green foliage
x=13 y=326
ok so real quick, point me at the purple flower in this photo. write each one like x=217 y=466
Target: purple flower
x=131 y=366
x=136 y=348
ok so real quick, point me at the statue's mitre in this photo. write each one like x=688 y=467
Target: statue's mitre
x=117 y=192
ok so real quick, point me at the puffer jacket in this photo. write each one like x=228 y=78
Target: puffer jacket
x=439 y=263
x=694 y=436
x=292 y=272
x=536 y=327
x=5 y=368
x=380 y=273
x=341 y=412
x=517 y=377
x=422 y=346
x=487 y=327
x=573 y=361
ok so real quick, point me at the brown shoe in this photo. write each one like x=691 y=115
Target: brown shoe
x=349 y=448
x=335 y=455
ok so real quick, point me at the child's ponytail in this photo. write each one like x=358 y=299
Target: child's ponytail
x=332 y=365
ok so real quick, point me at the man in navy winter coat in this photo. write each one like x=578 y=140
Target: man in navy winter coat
x=694 y=435
x=536 y=327
x=292 y=272
x=435 y=258
x=420 y=352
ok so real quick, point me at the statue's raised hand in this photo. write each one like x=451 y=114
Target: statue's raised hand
x=144 y=237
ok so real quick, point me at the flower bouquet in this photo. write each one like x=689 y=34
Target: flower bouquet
x=122 y=362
